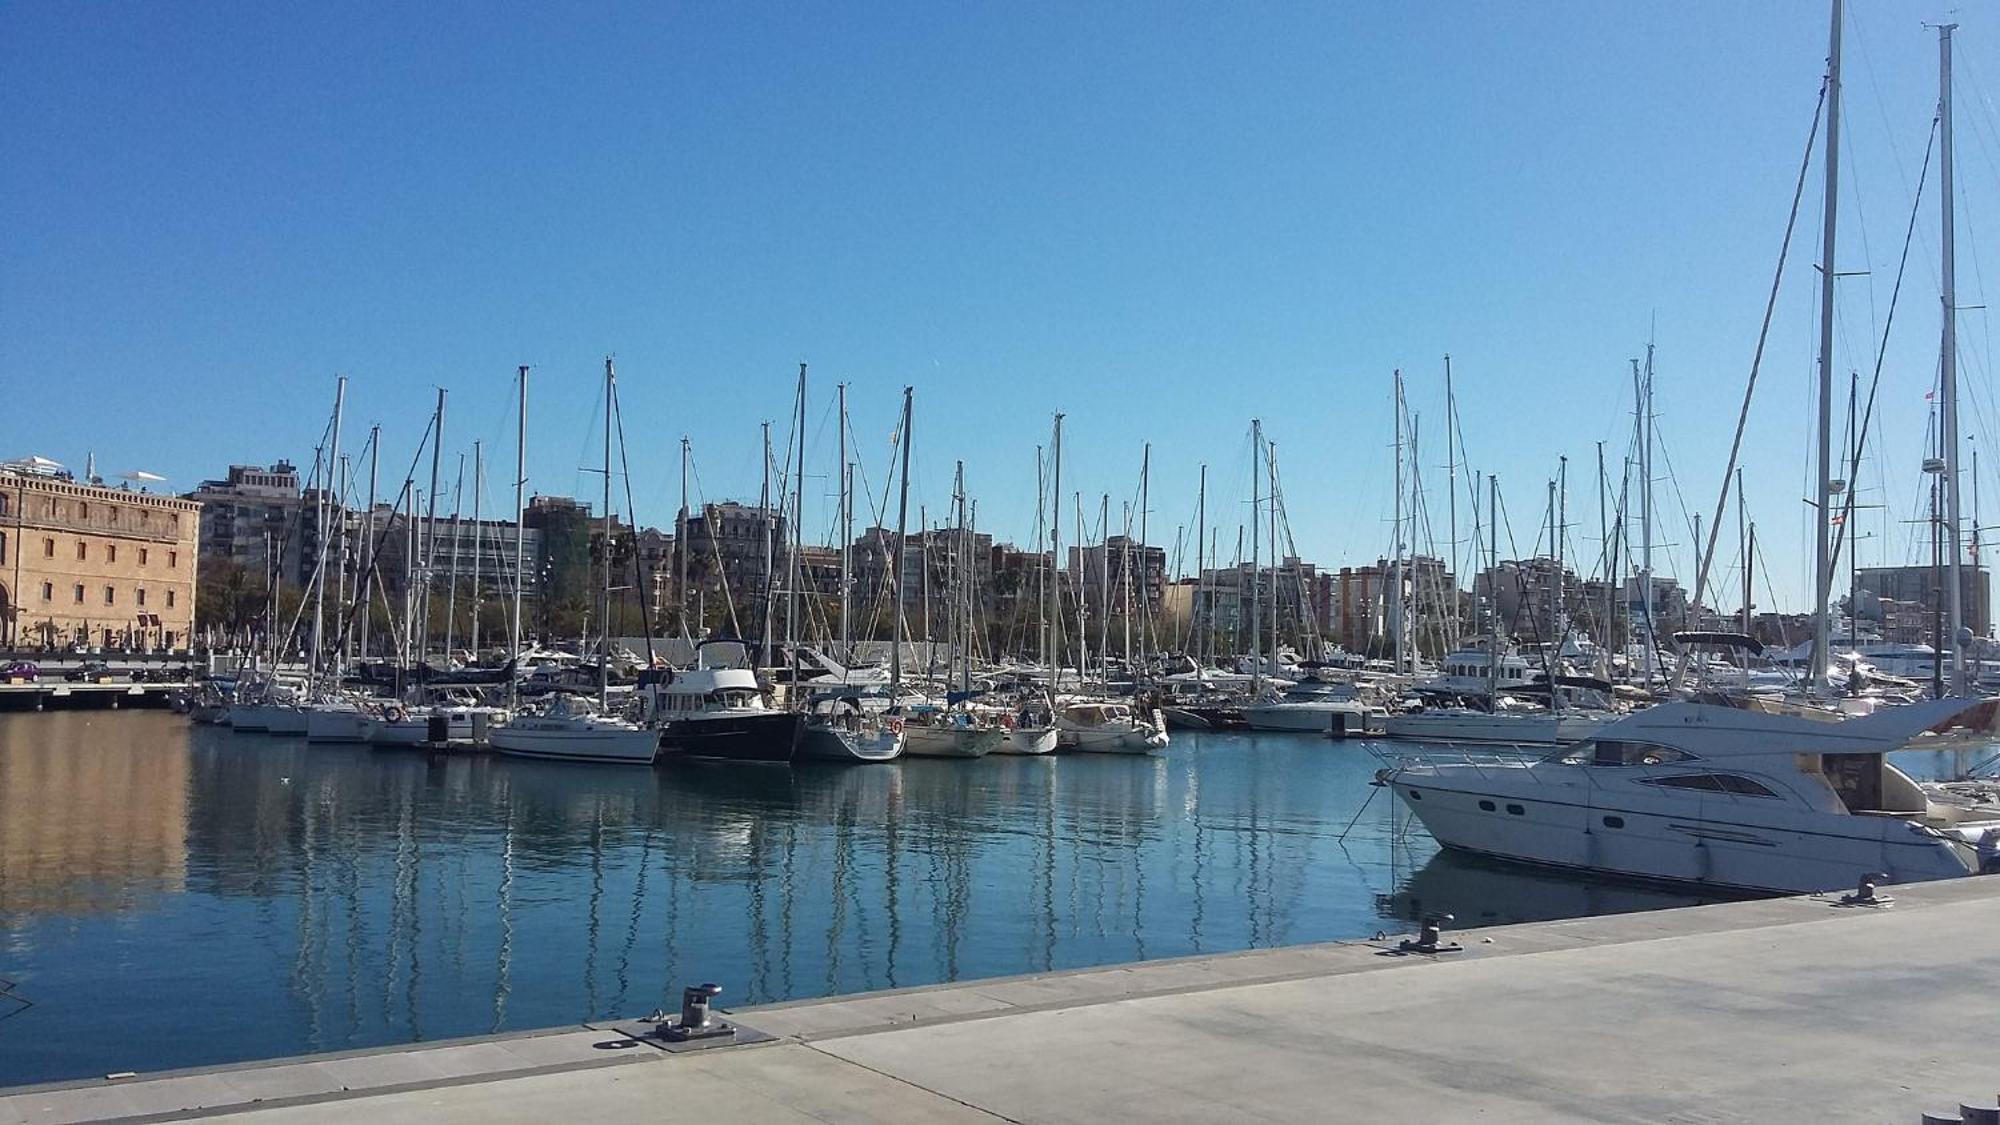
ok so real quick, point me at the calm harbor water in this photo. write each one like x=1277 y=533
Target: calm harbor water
x=173 y=895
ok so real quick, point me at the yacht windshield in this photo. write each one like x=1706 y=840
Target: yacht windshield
x=1617 y=752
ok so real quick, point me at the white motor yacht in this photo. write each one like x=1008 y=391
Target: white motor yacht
x=567 y=731
x=1316 y=706
x=1102 y=727
x=716 y=710
x=1689 y=792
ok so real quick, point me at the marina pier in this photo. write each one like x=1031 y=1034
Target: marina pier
x=1794 y=1009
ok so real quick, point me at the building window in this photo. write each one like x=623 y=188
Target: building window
x=111 y=552
x=110 y=595
x=79 y=593
x=142 y=595
x=173 y=559
x=48 y=548
x=3 y=546
x=170 y=599
x=111 y=513
x=82 y=550
x=83 y=511
x=142 y=556
x=48 y=591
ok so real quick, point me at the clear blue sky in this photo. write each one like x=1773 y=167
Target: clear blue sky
x=1163 y=219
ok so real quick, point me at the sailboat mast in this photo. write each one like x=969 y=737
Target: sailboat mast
x=794 y=539
x=681 y=538
x=430 y=530
x=340 y=613
x=1743 y=537
x=368 y=540
x=1822 y=545
x=1145 y=503
x=1051 y=622
x=1558 y=610
x=478 y=536
x=846 y=531
x=1948 y=367
x=604 y=645
x=896 y=569
x=1451 y=465
x=451 y=583
x=1256 y=605
x=1493 y=591
x=1393 y=596
x=520 y=531
x=770 y=536
x=1271 y=464
x=1200 y=566
x=326 y=513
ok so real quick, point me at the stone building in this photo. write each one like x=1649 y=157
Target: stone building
x=258 y=518
x=109 y=568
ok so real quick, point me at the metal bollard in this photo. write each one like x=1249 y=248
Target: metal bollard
x=1943 y=1119
x=1979 y=1115
x=1864 y=892
x=1430 y=937
x=694 y=1005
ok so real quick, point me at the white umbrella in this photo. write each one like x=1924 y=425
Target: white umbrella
x=141 y=474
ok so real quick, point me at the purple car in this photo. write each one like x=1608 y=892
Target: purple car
x=19 y=672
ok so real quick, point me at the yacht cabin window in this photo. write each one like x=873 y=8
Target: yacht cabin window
x=1619 y=752
x=1712 y=783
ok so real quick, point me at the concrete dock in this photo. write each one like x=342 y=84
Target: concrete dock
x=1795 y=1009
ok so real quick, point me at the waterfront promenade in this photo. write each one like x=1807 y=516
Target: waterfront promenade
x=1779 y=1010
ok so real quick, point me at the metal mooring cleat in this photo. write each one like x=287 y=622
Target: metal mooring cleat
x=1430 y=937
x=696 y=1021
x=1864 y=893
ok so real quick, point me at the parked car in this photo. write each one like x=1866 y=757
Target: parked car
x=20 y=672
x=89 y=672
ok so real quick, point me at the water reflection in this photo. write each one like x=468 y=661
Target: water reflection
x=281 y=899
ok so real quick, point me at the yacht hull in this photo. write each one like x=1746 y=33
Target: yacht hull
x=770 y=736
x=348 y=725
x=1028 y=740
x=636 y=747
x=1309 y=718
x=827 y=744
x=950 y=742
x=1568 y=830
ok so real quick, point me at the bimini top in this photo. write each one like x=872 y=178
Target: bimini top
x=1710 y=732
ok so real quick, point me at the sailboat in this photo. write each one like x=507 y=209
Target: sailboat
x=841 y=729
x=955 y=729
x=566 y=730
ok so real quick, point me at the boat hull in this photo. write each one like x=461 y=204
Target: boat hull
x=1305 y=718
x=770 y=736
x=1028 y=740
x=950 y=742
x=336 y=725
x=827 y=744
x=1556 y=828
x=604 y=746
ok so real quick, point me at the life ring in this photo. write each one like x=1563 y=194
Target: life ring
x=1007 y=722
x=895 y=726
x=394 y=714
